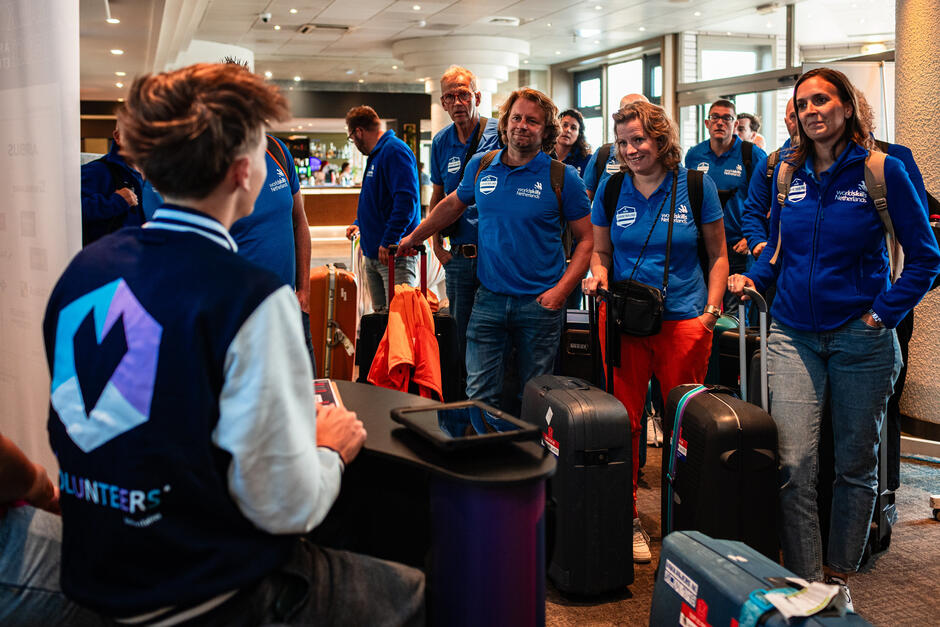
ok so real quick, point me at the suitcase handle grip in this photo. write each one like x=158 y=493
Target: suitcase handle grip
x=392 y=253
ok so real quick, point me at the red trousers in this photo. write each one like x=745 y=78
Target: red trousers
x=677 y=354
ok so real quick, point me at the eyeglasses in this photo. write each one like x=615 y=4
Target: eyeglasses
x=464 y=95
x=728 y=118
x=351 y=138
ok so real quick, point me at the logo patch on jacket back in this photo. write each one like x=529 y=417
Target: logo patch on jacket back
x=105 y=365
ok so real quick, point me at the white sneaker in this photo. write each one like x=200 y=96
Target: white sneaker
x=832 y=580
x=641 y=544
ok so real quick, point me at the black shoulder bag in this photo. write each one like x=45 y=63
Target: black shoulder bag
x=640 y=306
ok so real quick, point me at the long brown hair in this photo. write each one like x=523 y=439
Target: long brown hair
x=857 y=127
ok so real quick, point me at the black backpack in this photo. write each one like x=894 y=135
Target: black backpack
x=695 y=189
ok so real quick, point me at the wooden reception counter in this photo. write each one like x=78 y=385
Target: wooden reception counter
x=330 y=205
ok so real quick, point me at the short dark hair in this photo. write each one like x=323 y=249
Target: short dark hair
x=362 y=116
x=721 y=102
x=184 y=128
x=753 y=120
x=548 y=108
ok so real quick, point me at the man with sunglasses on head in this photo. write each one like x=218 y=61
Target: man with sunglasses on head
x=729 y=162
x=451 y=149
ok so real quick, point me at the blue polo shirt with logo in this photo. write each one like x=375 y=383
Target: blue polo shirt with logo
x=612 y=166
x=521 y=253
x=447 y=154
x=686 y=293
x=266 y=237
x=728 y=173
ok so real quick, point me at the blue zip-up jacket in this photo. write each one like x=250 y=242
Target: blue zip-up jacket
x=103 y=211
x=389 y=200
x=762 y=190
x=833 y=265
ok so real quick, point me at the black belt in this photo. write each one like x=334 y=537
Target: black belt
x=467 y=251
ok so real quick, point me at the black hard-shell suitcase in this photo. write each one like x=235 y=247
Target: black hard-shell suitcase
x=703 y=581
x=372 y=328
x=580 y=354
x=720 y=472
x=588 y=431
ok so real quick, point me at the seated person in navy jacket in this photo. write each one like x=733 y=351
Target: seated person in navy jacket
x=192 y=457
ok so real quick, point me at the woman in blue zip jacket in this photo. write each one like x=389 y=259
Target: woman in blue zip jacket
x=834 y=316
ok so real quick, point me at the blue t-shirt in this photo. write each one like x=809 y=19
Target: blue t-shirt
x=266 y=237
x=612 y=166
x=728 y=173
x=447 y=155
x=389 y=200
x=578 y=162
x=520 y=227
x=686 y=293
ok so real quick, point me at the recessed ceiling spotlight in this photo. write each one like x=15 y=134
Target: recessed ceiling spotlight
x=120 y=100
x=549 y=24
x=296 y=79
x=119 y=85
x=728 y=33
x=268 y=74
x=113 y=20
x=350 y=71
x=769 y=25
x=558 y=52
x=697 y=14
x=641 y=29
x=120 y=73
x=293 y=11
x=116 y=51
x=394 y=67
x=526 y=61
x=416 y=7
x=597 y=41
x=598 y=7
x=277 y=27
x=362 y=80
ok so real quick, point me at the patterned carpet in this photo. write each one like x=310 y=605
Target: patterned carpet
x=899 y=588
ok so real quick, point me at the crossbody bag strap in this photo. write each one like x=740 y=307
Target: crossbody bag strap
x=472 y=148
x=668 y=237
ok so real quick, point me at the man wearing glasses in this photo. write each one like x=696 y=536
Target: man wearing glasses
x=729 y=162
x=388 y=202
x=451 y=149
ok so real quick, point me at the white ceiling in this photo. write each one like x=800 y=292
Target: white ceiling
x=154 y=32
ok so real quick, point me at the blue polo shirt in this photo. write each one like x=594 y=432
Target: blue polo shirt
x=266 y=236
x=728 y=173
x=447 y=153
x=389 y=200
x=521 y=253
x=686 y=293
x=578 y=162
x=612 y=166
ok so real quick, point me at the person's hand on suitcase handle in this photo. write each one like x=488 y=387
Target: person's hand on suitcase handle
x=339 y=429
x=590 y=285
x=737 y=284
x=406 y=248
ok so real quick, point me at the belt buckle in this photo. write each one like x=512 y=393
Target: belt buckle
x=469 y=251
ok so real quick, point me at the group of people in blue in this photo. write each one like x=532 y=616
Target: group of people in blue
x=204 y=464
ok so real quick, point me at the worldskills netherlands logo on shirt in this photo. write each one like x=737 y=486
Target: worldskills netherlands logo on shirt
x=488 y=184
x=625 y=217
x=453 y=165
x=119 y=329
x=613 y=166
x=703 y=167
x=797 y=190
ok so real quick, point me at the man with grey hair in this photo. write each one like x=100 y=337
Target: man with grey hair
x=451 y=149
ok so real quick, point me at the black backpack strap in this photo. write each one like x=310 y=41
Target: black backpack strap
x=277 y=153
x=472 y=147
x=611 y=194
x=695 y=189
x=603 y=154
x=747 y=156
x=556 y=176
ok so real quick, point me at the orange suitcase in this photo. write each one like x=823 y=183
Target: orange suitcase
x=333 y=309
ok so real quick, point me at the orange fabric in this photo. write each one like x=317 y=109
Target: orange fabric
x=677 y=354
x=408 y=350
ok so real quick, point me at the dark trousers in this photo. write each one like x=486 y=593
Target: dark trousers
x=904 y=330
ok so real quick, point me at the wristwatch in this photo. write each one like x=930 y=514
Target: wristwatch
x=711 y=309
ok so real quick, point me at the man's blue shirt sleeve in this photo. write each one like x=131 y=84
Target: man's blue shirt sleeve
x=574 y=200
x=590 y=171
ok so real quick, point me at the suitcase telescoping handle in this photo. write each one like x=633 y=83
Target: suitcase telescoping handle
x=392 y=251
x=758 y=300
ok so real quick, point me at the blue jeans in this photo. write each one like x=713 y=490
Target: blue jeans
x=406 y=271
x=462 y=283
x=30 y=554
x=854 y=367
x=499 y=321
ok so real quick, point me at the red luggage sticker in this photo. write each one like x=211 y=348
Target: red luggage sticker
x=549 y=442
x=682 y=450
x=694 y=618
